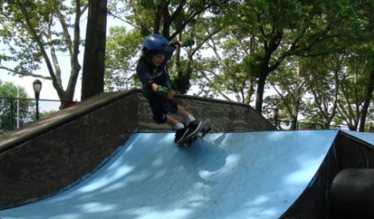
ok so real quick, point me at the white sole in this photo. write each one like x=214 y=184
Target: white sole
x=183 y=136
x=196 y=130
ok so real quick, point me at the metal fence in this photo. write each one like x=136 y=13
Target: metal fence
x=16 y=113
x=286 y=125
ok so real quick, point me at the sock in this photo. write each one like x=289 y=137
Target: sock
x=179 y=125
x=190 y=118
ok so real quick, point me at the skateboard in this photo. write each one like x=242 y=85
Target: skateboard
x=203 y=130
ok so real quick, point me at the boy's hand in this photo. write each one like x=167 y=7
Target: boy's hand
x=171 y=94
x=163 y=91
x=188 y=42
x=175 y=45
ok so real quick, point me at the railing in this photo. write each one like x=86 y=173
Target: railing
x=16 y=113
x=286 y=125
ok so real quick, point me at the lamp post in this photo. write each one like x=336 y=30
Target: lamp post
x=37 y=85
x=276 y=114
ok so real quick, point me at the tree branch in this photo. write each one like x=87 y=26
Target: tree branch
x=65 y=30
x=25 y=73
x=34 y=35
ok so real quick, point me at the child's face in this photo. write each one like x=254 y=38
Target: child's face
x=158 y=59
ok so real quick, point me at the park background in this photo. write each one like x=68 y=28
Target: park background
x=295 y=62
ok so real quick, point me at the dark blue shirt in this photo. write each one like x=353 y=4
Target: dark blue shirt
x=148 y=72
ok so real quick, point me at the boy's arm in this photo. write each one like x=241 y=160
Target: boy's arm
x=145 y=78
x=161 y=90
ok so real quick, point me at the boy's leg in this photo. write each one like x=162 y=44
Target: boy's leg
x=160 y=110
x=193 y=124
x=182 y=111
x=172 y=122
x=180 y=130
x=185 y=114
x=171 y=107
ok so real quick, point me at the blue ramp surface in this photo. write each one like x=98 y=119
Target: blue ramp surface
x=229 y=175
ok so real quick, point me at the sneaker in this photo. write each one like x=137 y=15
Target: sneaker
x=180 y=134
x=193 y=127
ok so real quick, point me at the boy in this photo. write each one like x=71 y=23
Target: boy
x=151 y=70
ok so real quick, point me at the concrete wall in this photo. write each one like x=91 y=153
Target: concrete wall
x=226 y=116
x=67 y=149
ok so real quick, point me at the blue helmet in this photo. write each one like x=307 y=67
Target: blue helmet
x=155 y=43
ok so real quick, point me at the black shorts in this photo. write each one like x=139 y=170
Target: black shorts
x=161 y=106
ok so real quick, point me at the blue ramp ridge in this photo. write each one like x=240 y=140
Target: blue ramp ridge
x=364 y=136
x=228 y=175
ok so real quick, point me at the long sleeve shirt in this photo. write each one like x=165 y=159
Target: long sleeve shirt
x=147 y=72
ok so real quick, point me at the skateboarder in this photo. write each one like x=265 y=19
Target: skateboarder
x=151 y=70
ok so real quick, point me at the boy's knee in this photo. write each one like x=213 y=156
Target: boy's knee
x=160 y=119
x=171 y=107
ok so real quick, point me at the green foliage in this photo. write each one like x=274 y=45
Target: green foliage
x=238 y=46
x=181 y=81
x=321 y=75
x=8 y=106
x=169 y=18
x=253 y=64
x=38 y=32
x=122 y=49
x=20 y=27
x=354 y=82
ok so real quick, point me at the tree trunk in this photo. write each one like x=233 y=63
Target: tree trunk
x=94 y=54
x=260 y=92
x=368 y=98
x=294 y=123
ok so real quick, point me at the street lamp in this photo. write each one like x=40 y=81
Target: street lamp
x=37 y=85
x=276 y=114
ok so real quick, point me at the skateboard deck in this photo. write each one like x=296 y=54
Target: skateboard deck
x=203 y=130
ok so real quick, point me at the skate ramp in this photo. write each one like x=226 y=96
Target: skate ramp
x=46 y=156
x=229 y=175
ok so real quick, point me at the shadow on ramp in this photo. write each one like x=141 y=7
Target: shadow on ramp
x=229 y=175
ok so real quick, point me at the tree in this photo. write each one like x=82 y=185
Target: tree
x=176 y=21
x=368 y=97
x=192 y=67
x=368 y=50
x=352 y=92
x=220 y=66
x=290 y=86
x=169 y=18
x=8 y=106
x=39 y=32
x=289 y=28
x=94 y=54
x=322 y=75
